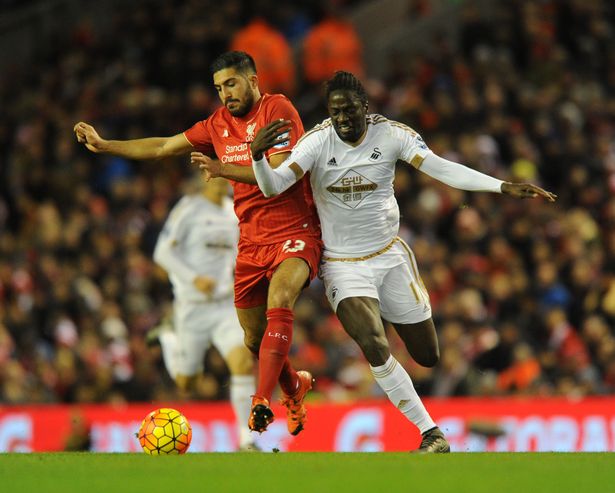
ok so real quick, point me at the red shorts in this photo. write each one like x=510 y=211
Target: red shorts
x=257 y=263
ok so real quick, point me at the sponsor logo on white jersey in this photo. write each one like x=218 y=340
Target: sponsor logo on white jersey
x=352 y=188
x=376 y=153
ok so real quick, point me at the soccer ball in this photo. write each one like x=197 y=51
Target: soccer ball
x=165 y=431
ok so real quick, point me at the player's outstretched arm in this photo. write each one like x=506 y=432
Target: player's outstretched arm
x=148 y=148
x=459 y=176
x=526 y=190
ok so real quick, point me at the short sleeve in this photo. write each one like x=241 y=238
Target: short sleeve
x=199 y=137
x=412 y=147
x=283 y=109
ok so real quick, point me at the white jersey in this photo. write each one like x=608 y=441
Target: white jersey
x=353 y=186
x=199 y=238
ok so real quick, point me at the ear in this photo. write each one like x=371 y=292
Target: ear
x=253 y=79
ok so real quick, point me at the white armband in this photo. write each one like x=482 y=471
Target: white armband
x=459 y=176
x=273 y=181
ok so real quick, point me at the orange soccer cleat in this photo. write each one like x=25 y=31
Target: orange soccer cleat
x=296 y=414
x=261 y=415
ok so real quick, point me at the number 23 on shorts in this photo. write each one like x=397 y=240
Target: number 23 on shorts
x=291 y=246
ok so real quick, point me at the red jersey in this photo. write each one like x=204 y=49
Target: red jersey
x=261 y=220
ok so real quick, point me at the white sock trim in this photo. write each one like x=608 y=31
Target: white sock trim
x=397 y=384
x=242 y=387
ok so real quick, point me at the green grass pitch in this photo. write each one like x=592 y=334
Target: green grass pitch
x=308 y=472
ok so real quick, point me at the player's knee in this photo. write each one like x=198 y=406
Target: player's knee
x=429 y=358
x=253 y=343
x=281 y=297
x=372 y=341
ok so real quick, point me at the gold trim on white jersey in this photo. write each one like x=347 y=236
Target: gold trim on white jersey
x=365 y=257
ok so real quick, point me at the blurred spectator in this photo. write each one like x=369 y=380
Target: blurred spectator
x=331 y=44
x=270 y=50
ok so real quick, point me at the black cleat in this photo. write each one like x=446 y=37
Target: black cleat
x=261 y=415
x=434 y=442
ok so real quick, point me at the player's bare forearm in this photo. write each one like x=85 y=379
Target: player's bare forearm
x=213 y=168
x=243 y=174
x=147 y=148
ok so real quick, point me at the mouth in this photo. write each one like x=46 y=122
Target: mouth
x=344 y=128
x=232 y=102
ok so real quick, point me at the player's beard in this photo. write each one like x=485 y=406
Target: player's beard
x=244 y=108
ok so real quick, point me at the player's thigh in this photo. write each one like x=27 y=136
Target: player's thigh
x=360 y=317
x=294 y=266
x=194 y=333
x=287 y=282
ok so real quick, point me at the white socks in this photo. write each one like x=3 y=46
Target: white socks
x=395 y=381
x=168 y=343
x=242 y=389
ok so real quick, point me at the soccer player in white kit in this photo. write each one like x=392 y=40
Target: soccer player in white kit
x=197 y=247
x=368 y=271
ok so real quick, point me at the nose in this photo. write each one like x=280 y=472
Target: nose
x=225 y=93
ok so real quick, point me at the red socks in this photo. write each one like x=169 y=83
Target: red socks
x=273 y=364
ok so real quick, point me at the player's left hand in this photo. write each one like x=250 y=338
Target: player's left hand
x=269 y=136
x=526 y=190
x=212 y=168
x=204 y=284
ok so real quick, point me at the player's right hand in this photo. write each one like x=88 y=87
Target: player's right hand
x=269 y=136
x=526 y=190
x=87 y=134
x=211 y=168
x=204 y=284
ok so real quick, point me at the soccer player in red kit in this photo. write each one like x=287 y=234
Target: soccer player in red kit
x=279 y=245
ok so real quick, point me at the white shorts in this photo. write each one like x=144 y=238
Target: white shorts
x=392 y=277
x=200 y=325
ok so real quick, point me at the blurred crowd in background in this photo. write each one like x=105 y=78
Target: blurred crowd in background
x=523 y=292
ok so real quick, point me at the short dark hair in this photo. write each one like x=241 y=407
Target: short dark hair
x=238 y=60
x=345 y=81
